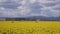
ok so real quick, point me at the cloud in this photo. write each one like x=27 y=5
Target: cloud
x=25 y=8
x=21 y=11
x=32 y=1
x=35 y=7
x=51 y=11
x=57 y=7
x=9 y=4
x=49 y=4
x=47 y=1
x=13 y=9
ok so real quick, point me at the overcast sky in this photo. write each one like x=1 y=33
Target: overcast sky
x=25 y=8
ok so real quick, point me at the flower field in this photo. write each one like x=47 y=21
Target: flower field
x=29 y=27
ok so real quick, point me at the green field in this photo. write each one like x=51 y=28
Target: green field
x=29 y=27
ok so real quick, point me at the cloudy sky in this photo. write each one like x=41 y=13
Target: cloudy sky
x=25 y=8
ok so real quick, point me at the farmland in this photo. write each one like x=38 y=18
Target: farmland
x=29 y=27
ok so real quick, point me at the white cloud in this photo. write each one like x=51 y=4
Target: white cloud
x=20 y=12
x=32 y=1
x=25 y=9
x=57 y=7
x=47 y=1
x=51 y=11
x=3 y=0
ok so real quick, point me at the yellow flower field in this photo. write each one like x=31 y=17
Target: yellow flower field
x=29 y=27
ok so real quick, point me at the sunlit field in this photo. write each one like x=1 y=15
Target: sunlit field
x=29 y=27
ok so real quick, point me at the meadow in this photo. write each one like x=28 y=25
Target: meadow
x=29 y=27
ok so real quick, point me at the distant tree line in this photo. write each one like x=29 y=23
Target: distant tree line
x=27 y=19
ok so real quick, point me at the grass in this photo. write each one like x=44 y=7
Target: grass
x=29 y=27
